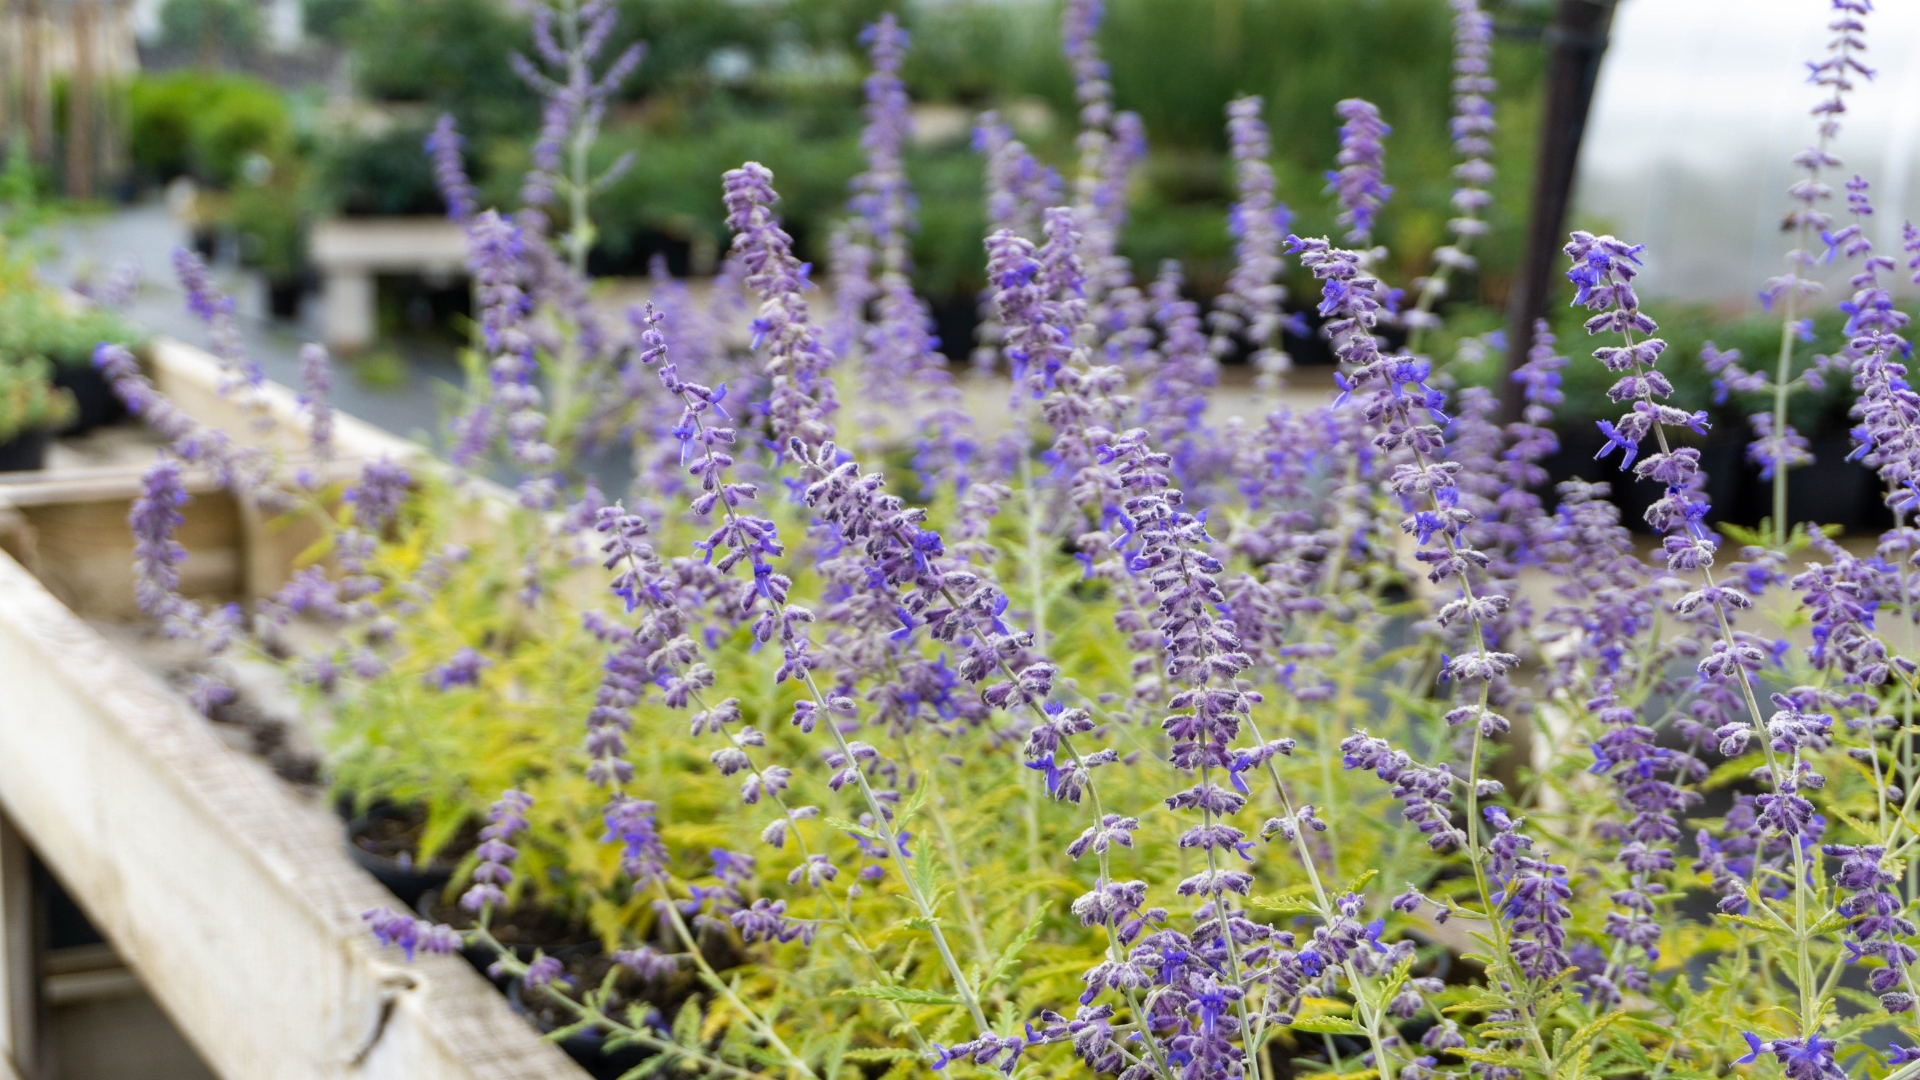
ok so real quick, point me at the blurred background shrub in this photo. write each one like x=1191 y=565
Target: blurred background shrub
x=779 y=81
x=205 y=124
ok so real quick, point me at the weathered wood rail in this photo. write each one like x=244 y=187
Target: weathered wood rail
x=227 y=892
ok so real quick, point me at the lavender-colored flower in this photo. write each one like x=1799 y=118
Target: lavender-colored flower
x=545 y=972
x=1251 y=306
x=1533 y=898
x=378 y=495
x=1019 y=187
x=462 y=669
x=648 y=963
x=1110 y=147
x=630 y=823
x=506 y=818
x=316 y=382
x=1841 y=597
x=1359 y=184
x=157 y=558
x=216 y=309
x=1876 y=926
x=392 y=928
x=117 y=292
x=575 y=101
x=444 y=146
x=244 y=471
x=1425 y=794
x=1472 y=125
x=1603 y=273
x=1172 y=408
x=1471 y=130
x=800 y=401
x=1888 y=410
x=1778 y=447
x=156 y=554
x=1810 y=1058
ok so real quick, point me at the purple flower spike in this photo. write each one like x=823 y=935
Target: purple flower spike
x=1472 y=125
x=316 y=382
x=394 y=929
x=801 y=401
x=1251 y=306
x=156 y=555
x=1360 y=182
x=505 y=819
x=444 y=146
x=216 y=309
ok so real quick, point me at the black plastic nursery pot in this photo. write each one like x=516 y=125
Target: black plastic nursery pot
x=383 y=842
x=283 y=296
x=1720 y=458
x=25 y=452
x=96 y=403
x=524 y=929
x=1831 y=491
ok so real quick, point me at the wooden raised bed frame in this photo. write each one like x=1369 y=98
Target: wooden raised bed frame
x=231 y=897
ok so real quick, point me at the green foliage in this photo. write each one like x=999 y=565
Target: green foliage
x=36 y=322
x=381 y=369
x=205 y=124
x=450 y=55
x=210 y=29
x=329 y=20
x=28 y=399
x=986 y=843
x=383 y=174
x=778 y=82
x=269 y=213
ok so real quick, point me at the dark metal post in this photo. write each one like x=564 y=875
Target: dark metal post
x=1577 y=38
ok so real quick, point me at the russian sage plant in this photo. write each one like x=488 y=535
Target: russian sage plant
x=1106 y=739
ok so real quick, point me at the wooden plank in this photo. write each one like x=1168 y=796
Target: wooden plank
x=231 y=898
x=19 y=958
x=192 y=378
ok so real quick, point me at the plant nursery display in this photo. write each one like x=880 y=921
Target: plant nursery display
x=867 y=735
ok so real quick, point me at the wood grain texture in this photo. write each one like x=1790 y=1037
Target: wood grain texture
x=230 y=897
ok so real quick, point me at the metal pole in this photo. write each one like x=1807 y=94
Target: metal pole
x=1577 y=38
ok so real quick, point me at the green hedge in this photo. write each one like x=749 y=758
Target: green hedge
x=204 y=124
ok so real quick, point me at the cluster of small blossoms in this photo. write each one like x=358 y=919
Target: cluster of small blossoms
x=1111 y=146
x=576 y=100
x=1876 y=926
x=1360 y=182
x=443 y=145
x=156 y=559
x=1887 y=410
x=800 y=399
x=217 y=310
x=246 y=471
x=1174 y=405
x=316 y=382
x=1777 y=447
x=505 y=820
x=1471 y=129
x=1019 y=188
x=1251 y=306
